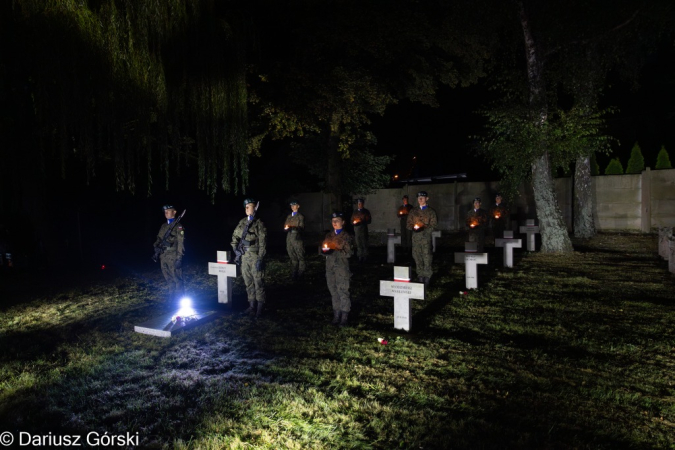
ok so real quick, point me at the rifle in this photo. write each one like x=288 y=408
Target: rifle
x=159 y=249
x=239 y=251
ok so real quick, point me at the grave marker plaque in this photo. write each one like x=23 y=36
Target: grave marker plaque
x=226 y=273
x=509 y=244
x=402 y=290
x=471 y=258
x=530 y=230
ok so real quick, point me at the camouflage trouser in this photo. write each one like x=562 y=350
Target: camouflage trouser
x=255 y=284
x=406 y=234
x=337 y=277
x=296 y=251
x=173 y=276
x=478 y=235
x=361 y=236
x=422 y=253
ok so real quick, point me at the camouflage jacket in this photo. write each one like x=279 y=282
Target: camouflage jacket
x=176 y=240
x=295 y=225
x=361 y=217
x=425 y=218
x=342 y=245
x=478 y=218
x=403 y=211
x=256 y=237
x=499 y=213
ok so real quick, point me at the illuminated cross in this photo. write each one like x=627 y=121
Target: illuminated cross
x=402 y=290
x=226 y=273
x=392 y=240
x=530 y=230
x=509 y=244
x=471 y=258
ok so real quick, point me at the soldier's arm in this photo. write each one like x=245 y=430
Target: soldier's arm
x=301 y=221
x=369 y=219
x=236 y=237
x=347 y=246
x=410 y=222
x=180 y=240
x=262 y=239
x=433 y=219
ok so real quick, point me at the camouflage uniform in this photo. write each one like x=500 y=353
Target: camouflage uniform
x=406 y=234
x=294 y=245
x=362 y=219
x=338 y=274
x=254 y=251
x=421 y=240
x=480 y=220
x=499 y=216
x=171 y=260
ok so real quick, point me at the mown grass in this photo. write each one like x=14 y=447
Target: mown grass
x=563 y=352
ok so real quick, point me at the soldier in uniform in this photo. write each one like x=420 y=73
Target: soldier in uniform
x=252 y=255
x=422 y=221
x=338 y=247
x=294 y=225
x=360 y=219
x=173 y=249
x=406 y=234
x=499 y=216
x=477 y=221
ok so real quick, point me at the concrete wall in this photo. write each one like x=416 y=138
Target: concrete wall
x=620 y=202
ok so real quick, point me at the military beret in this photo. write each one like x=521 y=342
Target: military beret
x=405 y=196
x=293 y=202
x=168 y=206
x=422 y=194
x=360 y=200
x=477 y=199
x=498 y=194
x=337 y=214
x=247 y=201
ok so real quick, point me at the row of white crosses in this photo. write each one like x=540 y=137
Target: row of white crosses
x=401 y=288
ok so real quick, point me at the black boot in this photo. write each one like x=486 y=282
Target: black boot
x=420 y=279
x=251 y=308
x=336 y=316
x=426 y=281
x=295 y=275
x=343 y=320
x=259 y=311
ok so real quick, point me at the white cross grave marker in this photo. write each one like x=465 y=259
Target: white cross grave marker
x=530 y=230
x=434 y=235
x=471 y=258
x=402 y=290
x=665 y=234
x=509 y=244
x=392 y=240
x=226 y=273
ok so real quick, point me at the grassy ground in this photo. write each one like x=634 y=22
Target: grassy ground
x=560 y=352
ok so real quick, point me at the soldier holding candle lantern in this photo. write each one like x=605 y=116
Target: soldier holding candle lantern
x=294 y=225
x=422 y=222
x=338 y=247
x=406 y=234
x=499 y=216
x=360 y=220
x=477 y=221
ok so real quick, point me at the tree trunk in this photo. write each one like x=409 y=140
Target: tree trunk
x=584 y=224
x=554 y=236
x=587 y=99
